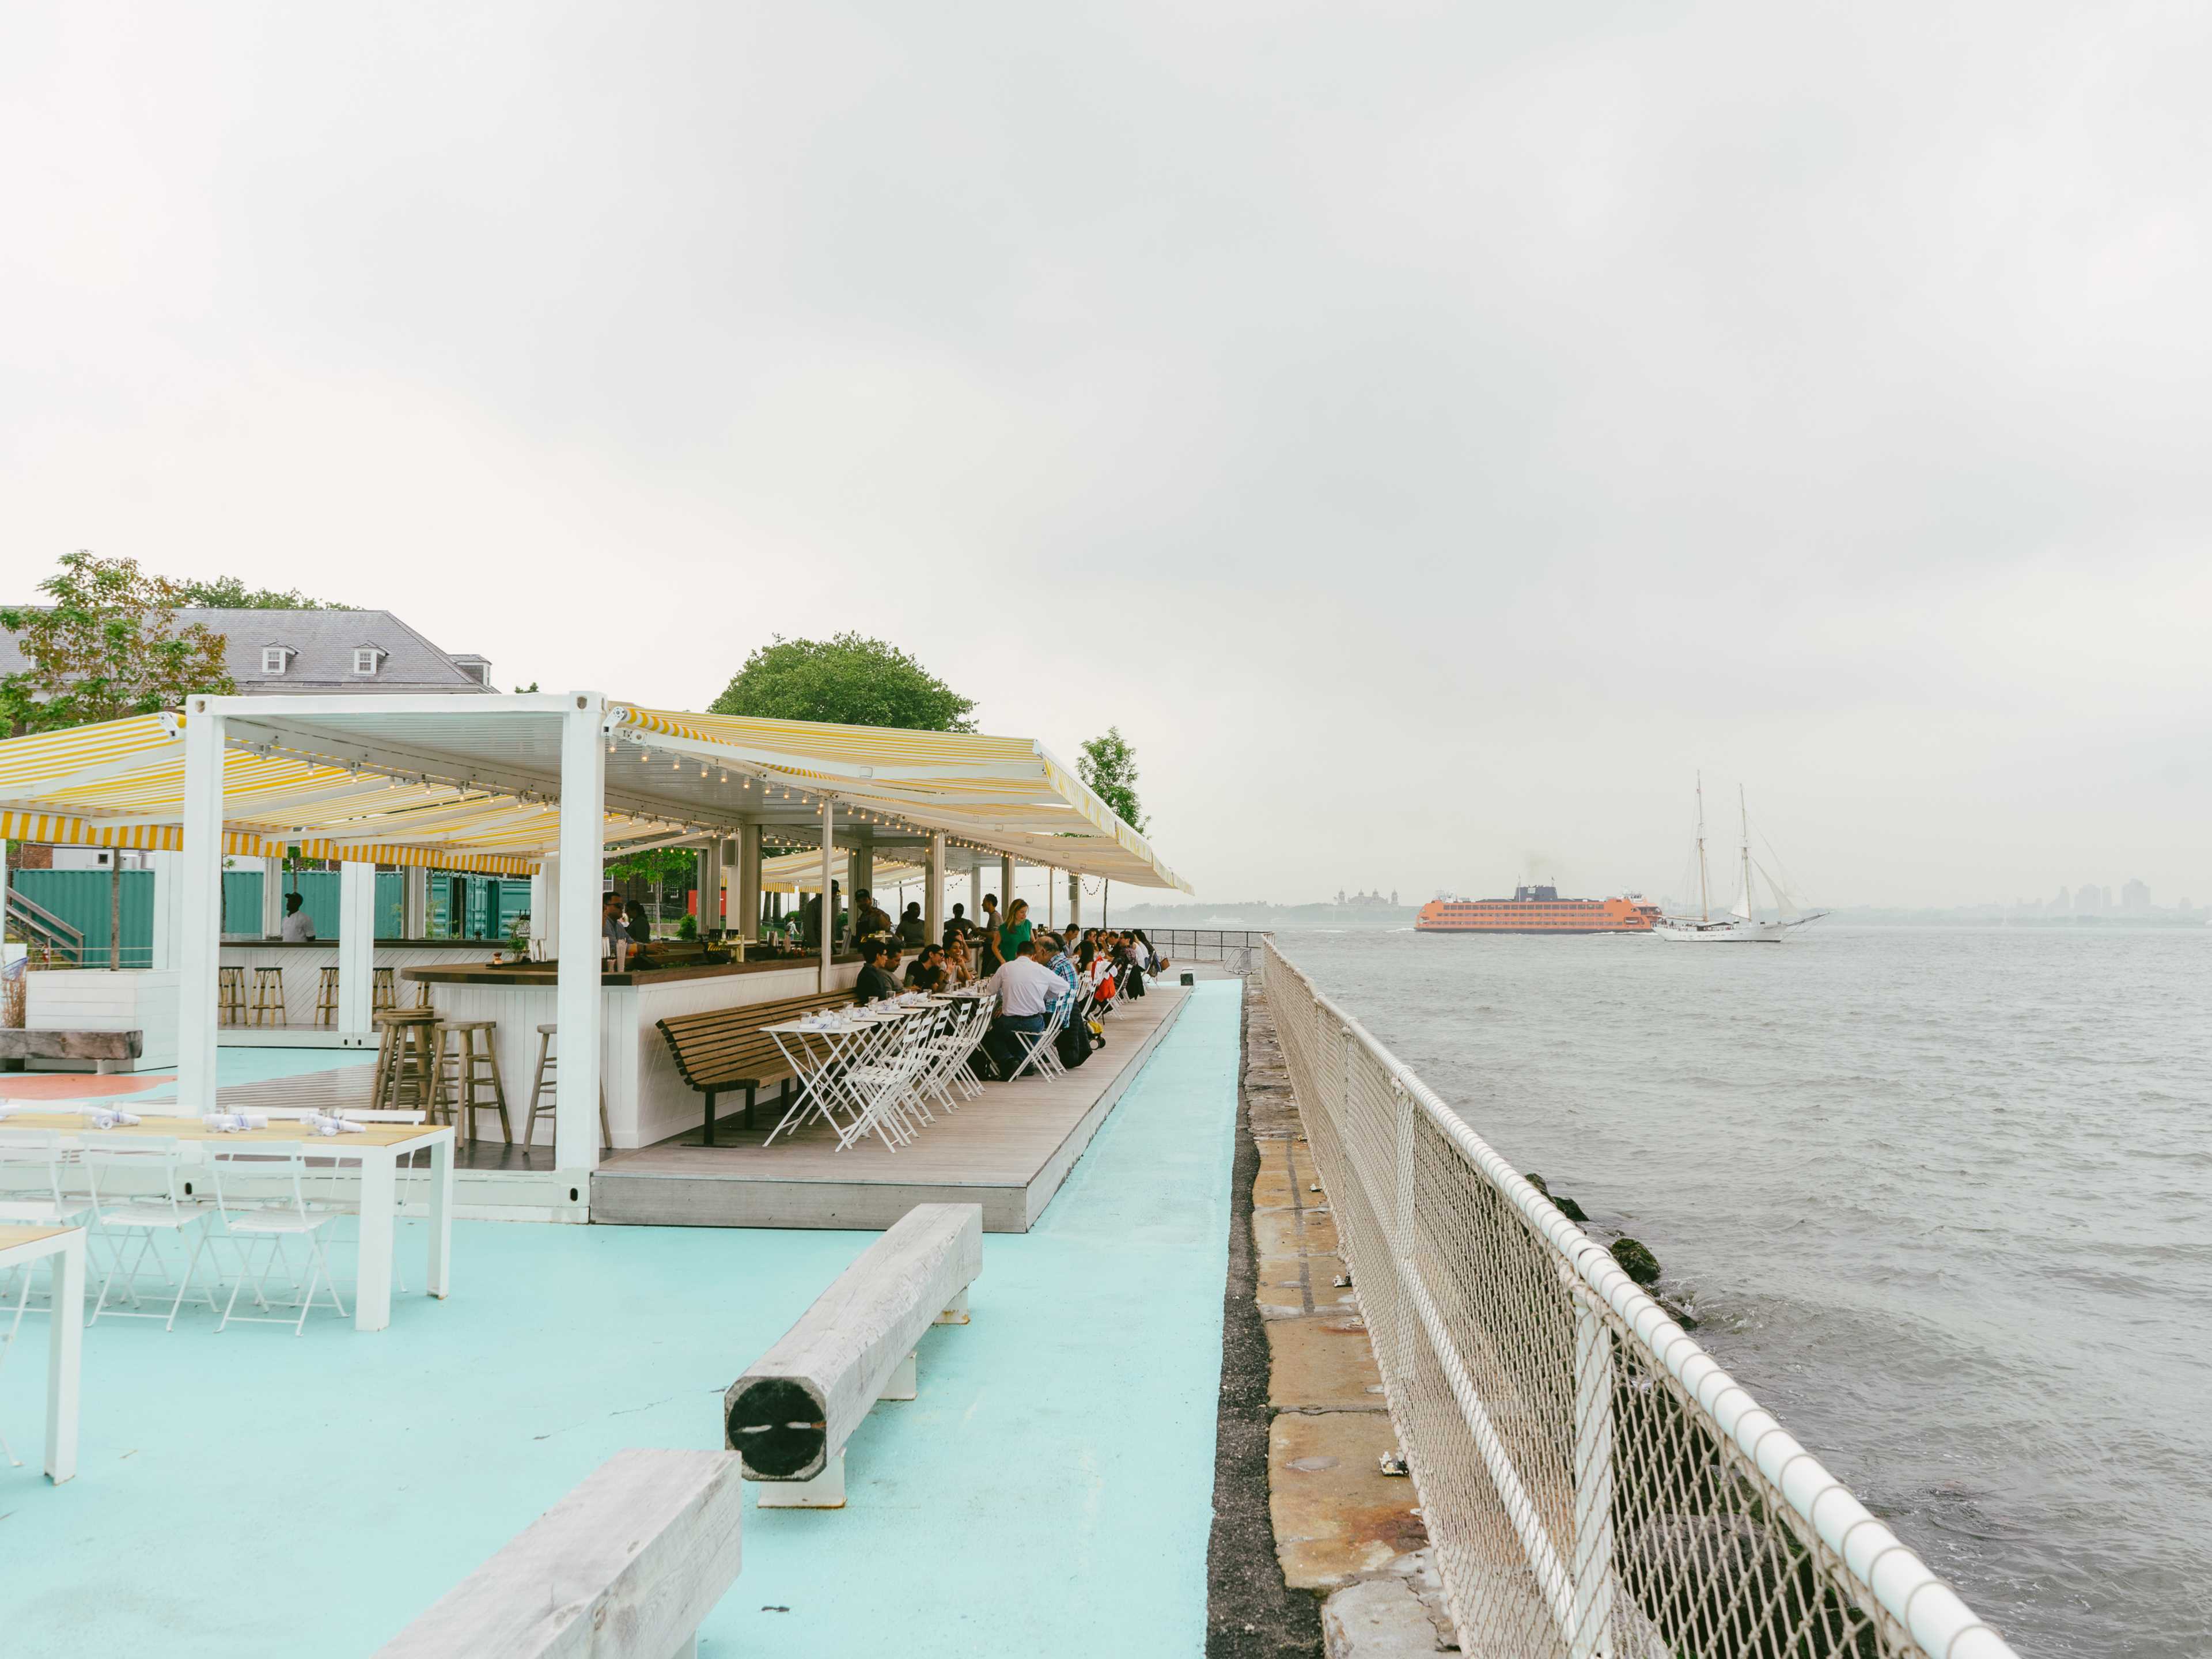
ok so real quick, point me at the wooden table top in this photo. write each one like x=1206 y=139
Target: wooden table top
x=12 y=1237
x=191 y=1128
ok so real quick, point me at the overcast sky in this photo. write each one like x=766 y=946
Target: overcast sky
x=1429 y=432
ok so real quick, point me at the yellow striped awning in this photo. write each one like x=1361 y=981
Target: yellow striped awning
x=387 y=780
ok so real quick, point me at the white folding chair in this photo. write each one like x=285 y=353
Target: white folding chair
x=250 y=1222
x=125 y=1216
x=31 y=1188
x=1039 y=1054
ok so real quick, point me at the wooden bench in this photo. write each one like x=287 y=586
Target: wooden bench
x=624 y=1567
x=105 y=1049
x=789 y=1417
x=725 y=1050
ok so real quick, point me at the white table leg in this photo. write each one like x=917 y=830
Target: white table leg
x=65 y=1358
x=372 y=1284
x=442 y=1216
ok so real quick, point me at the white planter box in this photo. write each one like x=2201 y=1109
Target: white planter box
x=106 y=999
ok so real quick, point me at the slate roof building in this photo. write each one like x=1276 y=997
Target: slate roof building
x=303 y=653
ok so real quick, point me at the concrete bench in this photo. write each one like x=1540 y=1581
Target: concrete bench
x=789 y=1417
x=105 y=1048
x=725 y=1050
x=624 y=1567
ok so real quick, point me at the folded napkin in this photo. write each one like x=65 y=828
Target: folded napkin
x=109 y=1117
x=232 y=1122
x=336 y=1125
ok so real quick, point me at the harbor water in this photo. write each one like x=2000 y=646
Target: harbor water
x=1940 y=1197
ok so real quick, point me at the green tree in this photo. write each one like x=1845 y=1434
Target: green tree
x=108 y=644
x=847 y=681
x=230 y=593
x=1108 y=765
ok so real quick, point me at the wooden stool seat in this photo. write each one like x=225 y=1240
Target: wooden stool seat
x=540 y=1093
x=406 y=1072
x=267 y=1007
x=230 y=996
x=468 y=1080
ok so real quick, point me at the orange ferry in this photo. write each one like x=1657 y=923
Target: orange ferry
x=1537 y=910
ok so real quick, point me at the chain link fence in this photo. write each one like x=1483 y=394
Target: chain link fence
x=1595 y=1485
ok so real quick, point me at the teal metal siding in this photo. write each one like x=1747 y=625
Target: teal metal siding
x=490 y=904
x=79 y=897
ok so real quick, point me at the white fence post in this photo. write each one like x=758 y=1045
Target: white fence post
x=1402 y=1244
x=1592 y=1564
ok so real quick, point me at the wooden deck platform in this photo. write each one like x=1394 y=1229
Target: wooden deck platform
x=1008 y=1152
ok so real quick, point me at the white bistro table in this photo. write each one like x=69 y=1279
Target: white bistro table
x=19 y=1247
x=377 y=1148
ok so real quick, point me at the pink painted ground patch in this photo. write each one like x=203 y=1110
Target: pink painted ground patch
x=70 y=1086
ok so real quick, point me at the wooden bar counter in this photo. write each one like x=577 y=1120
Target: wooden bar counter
x=647 y=1101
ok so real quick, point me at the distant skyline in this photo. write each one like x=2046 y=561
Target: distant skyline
x=1430 y=433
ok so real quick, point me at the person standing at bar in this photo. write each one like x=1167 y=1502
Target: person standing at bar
x=1014 y=937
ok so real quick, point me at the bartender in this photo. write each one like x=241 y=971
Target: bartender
x=299 y=925
x=611 y=919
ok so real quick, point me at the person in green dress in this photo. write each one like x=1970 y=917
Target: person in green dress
x=1014 y=936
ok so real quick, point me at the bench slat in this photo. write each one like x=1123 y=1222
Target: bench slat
x=624 y=1567
x=793 y=1410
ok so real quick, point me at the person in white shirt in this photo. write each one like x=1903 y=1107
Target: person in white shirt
x=1027 y=991
x=299 y=925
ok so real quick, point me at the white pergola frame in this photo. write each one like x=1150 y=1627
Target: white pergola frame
x=580 y=785
x=330 y=729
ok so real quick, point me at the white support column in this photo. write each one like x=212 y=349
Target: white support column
x=1074 y=901
x=356 y=945
x=167 y=912
x=1006 y=887
x=272 y=898
x=577 y=996
x=415 y=904
x=749 y=891
x=545 y=907
x=974 y=891
x=199 y=943
x=706 y=868
x=932 y=904
x=828 y=898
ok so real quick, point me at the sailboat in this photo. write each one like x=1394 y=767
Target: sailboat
x=1741 y=924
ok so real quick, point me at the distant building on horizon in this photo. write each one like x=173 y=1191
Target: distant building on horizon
x=2136 y=896
x=300 y=653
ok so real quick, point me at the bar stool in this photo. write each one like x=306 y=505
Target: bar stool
x=381 y=994
x=548 y=1064
x=405 y=1060
x=267 y=1007
x=466 y=1061
x=230 y=996
x=327 y=998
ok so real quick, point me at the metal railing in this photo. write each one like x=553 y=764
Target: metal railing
x=1595 y=1485
x=1238 y=951
x=39 y=927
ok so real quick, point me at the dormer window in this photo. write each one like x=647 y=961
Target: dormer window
x=366 y=658
x=274 y=658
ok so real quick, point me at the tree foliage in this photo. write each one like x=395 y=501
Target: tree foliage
x=850 y=680
x=1108 y=765
x=230 y=593
x=109 y=643
x=661 y=866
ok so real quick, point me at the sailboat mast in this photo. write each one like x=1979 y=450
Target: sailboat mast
x=1750 y=905
x=1705 y=882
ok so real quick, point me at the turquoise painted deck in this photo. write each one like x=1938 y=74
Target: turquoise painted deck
x=1050 y=1492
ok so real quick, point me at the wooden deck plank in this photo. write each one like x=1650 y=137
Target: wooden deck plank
x=1008 y=1152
